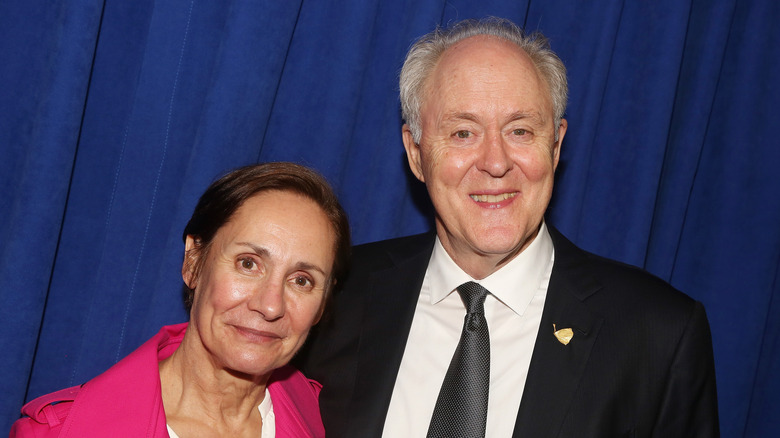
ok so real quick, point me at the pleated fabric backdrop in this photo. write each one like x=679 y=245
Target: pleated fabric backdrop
x=116 y=115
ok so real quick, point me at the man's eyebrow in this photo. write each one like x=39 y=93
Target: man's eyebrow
x=264 y=252
x=461 y=116
x=533 y=116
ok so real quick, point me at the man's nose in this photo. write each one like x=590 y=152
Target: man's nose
x=494 y=157
x=268 y=299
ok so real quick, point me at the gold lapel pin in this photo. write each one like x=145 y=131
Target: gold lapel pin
x=564 y=335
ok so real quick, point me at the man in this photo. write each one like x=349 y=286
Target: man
x=579 y=346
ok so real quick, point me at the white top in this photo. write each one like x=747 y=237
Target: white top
x=513 y=310
x=266 y=413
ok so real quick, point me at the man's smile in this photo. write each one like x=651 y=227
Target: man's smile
x=491 y=199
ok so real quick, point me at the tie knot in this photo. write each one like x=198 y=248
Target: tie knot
x=473 y=296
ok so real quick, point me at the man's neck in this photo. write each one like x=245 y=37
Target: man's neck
x=480 y=265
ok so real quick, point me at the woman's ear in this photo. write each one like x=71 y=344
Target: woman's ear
x=191 y=254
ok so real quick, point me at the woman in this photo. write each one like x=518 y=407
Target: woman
x=263 y=251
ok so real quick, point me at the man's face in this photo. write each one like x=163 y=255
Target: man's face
x=487 y=153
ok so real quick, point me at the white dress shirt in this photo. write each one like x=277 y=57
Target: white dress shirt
x=513 y=310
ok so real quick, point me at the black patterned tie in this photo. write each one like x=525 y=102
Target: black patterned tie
x=461 y=409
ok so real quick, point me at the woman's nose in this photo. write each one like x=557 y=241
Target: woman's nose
x=268 y=300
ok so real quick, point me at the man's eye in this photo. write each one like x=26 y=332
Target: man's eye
x=519 y=132
x=247 y=264
x=463 y=134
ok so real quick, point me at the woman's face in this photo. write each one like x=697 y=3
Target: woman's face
x=262 y=284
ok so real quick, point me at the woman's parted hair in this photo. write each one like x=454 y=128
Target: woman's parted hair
x=226 y=195
x=425 y=53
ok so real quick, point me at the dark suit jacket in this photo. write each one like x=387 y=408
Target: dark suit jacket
x=640 y=363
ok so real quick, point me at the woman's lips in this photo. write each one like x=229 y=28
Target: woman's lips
x=256 y=335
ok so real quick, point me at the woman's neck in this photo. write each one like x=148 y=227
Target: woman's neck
x=201 y=398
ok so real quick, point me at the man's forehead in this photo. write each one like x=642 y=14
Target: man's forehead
x=480 y=48
x=478 y=53
x=482 y=66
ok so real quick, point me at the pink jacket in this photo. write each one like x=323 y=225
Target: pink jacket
x=126 y=400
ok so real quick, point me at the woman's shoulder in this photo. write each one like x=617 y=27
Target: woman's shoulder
x=293 y=382
x=134 y=380
x=45 y=415
x=296 y=405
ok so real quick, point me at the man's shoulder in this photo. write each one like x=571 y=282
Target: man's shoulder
x=393 y=250
x=617 y=281
x=411 y=241
x=402 y=256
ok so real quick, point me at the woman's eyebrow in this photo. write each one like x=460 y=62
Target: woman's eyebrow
x=259 y=250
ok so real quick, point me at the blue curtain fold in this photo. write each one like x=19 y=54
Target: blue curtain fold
x=115 y=116
x=48 y=52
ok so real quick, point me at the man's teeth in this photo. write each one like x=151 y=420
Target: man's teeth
x=493 y=198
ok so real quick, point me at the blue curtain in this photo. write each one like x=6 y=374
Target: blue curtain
x=116 y=115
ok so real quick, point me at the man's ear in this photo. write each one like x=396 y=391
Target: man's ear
x=191 y=254
x=557 y=145
x=412 y=152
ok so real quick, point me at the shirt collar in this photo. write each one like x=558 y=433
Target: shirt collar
x=514 y=284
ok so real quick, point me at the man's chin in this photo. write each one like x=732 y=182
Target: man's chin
x=503 y=245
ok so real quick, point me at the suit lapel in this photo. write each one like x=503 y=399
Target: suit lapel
x=389 y=310
x=556 y=369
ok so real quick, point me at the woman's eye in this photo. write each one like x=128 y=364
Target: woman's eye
x=302 y=281
x=463 y=134
x=247 y=264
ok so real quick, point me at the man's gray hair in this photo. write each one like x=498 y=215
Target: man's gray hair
x=425 y=53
